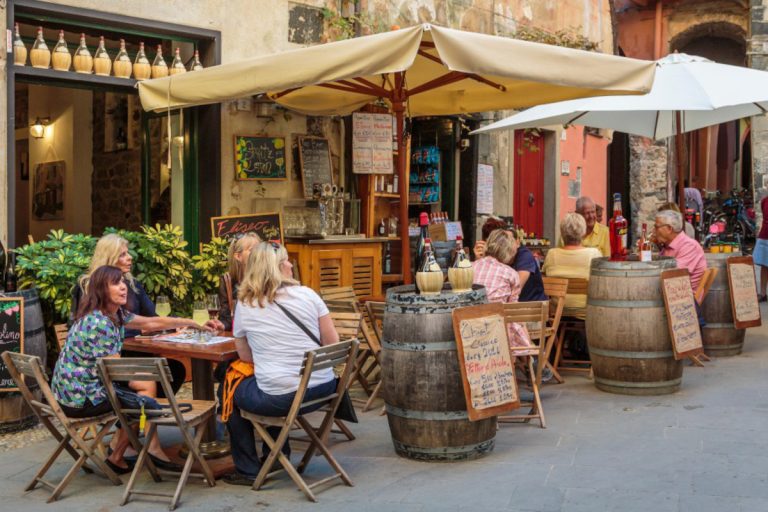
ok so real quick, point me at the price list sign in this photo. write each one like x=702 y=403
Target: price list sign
x=743 y=289
x=681 y=313
x=11 y=336
x=487 y=368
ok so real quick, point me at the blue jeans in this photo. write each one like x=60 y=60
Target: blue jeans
x=249 y=397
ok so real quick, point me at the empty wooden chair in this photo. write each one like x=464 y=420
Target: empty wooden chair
x=537 y=313
x=195 y=419
x=72 y=440
x=376 y=316
x=555 y=288
x=340 y=354
x=704 y=285
x=571 y=321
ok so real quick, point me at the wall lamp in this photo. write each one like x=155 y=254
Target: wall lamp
x=37 y=130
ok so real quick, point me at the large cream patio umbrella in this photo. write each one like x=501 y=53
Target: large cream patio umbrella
x=420 y=70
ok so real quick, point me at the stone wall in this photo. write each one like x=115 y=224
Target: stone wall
x=758 y=46
x=116 y=181
x=648 y=163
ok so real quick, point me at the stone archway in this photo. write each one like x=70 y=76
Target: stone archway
x=720 y=41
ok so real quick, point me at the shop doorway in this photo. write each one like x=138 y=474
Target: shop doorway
x=528 y=193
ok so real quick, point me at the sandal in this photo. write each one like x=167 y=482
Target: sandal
x=118 y=470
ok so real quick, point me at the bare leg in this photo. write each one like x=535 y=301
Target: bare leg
x=148 y=388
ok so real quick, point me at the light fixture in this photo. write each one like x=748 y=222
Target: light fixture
x=37 y=130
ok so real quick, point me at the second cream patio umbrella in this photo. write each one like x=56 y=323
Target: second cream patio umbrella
x=421 y=70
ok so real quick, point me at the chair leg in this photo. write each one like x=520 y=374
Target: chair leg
x=140 y=462
x=537 y=409
x=191 y=457
x=344 y=429
x=369 y=404
x=69 y=476
x=48 y=463
x=320 y=445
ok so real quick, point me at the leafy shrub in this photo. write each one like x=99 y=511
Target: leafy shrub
x=209 y=266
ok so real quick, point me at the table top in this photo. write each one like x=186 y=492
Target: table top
x=218 y=352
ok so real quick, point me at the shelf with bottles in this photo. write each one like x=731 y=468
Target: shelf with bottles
x=424 y=176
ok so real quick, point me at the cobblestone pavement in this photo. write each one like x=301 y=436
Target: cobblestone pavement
x=702 y=449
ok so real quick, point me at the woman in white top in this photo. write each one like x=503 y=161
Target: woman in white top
x=266 y=336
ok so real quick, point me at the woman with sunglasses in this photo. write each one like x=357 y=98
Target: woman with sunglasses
x=267 y=336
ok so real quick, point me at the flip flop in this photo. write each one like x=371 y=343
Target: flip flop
x=119 y=470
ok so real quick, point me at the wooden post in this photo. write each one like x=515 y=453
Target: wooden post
x=679 y=155
x=398 y=106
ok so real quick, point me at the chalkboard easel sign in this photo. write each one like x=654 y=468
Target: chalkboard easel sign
x=11 y=336
x=315 y=162
x=260 y=157
x=487 y=367
x=682 y=319
x=743 y=290
x=268 y=226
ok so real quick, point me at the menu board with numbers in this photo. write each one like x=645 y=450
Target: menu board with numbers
x=11 y=336
x=372 y=143
x=681 y=313
x=487 y=367
x=743 y=289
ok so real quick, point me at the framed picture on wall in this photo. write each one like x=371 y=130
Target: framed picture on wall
x=48 y=191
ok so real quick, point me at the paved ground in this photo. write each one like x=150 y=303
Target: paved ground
x=702 y=449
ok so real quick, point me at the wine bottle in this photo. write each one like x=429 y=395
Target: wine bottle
x=460 y=273
x=19 y=49
x=429 y=277
x=387 y=264
x=10 y=274
x=62 y=59
x=618 y=231
x=423 y=235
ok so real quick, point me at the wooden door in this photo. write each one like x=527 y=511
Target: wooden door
x=528 y=200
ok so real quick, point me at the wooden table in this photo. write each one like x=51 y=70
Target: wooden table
x=201 y=356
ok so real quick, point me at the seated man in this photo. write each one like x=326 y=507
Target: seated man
x=597 y=234
x=668 y=231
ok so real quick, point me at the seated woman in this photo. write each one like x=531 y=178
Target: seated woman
x=275 y=345
x=112 y=249
x=98 y=331
x=237 y=257
x=571 y=261
x=502 y=282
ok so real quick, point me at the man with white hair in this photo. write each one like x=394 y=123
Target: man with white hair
x=668 y=230
x=597 y=234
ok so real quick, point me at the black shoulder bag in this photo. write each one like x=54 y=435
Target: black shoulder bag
x=346 y=410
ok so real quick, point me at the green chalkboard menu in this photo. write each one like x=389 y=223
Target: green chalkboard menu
x=11 y=335
x=315 y=162
x=267 y=225
x=259 y=158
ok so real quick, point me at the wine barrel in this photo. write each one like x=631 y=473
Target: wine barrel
x=15 y=414
x=627 y=334
x=720 y=336
x=425 y=403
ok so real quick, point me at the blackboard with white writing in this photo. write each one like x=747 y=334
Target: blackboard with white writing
x=11 y=336
x=682 y=319
x=487 y=367
x=267 y=225
x=315 y=161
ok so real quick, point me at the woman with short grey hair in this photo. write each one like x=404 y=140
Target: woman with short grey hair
x=573 y=227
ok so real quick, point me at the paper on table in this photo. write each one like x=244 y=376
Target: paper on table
x=191 y=337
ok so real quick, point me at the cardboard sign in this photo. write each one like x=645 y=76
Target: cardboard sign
x=445 y=231
x=372 y=143
x=487 y=368
x=259 y=158
x=682 y=319
x=315 y=162
x=268 y=226
x=743 y=289
x=11 y=336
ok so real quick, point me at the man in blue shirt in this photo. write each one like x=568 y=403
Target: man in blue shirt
x=524 y=263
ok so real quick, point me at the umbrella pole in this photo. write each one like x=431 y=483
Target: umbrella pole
x=398 y=106
x=679 y=159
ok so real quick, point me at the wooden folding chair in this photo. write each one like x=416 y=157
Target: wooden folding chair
x=576 y=286
x=556 y=289
x=342 y=353
x=72 y=440
x=704 y=285
x=349 y=327
x=339 y=293
x=535 y=312
x=375 y=312
x=156 y=370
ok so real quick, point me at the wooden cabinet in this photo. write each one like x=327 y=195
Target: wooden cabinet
x=326 y=265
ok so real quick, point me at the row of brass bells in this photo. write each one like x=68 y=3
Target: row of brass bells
x=100 y=64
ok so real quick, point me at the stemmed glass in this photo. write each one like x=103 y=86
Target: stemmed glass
x=162 y=306
x=212 y=302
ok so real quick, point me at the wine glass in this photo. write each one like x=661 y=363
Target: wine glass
x=162 y=306
x=212 y=302
x=199 y=312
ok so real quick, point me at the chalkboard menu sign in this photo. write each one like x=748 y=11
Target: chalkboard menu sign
x=259 y=158
x=682 y=319
x=268 y=226
x=315 y=161
x=743 y=289
x=487 y=368
x=11 y=336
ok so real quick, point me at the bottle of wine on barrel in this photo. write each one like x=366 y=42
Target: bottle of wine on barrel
x=10 y=274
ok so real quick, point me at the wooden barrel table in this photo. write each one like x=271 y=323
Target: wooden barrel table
x=627 y=333
x=720 y=336
x=425 y=403
x=15 y=414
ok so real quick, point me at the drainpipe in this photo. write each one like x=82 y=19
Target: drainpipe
x=657 y=30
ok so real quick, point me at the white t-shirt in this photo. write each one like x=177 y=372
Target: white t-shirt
x=277 y=343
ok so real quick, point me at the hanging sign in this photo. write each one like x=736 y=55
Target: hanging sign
x=267 y=225
x=372 y=143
